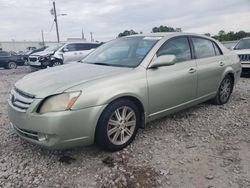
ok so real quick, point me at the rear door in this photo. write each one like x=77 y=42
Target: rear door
x=172 y=86
x=210 y=64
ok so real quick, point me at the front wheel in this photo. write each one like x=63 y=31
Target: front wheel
x=224 y=92
x=118 y=125
x=56 y=63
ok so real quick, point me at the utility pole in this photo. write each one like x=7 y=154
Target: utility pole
x=55 y=19
x=43 y=38
x=91 y=35
x=83 y=37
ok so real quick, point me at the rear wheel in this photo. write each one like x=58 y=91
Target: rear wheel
x=11 y=65
x=224 y=92
x=118 y=125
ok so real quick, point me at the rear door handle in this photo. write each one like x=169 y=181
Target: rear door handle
x=222 y=64
x=192 y=70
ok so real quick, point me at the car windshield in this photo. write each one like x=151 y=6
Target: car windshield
x=122 y=52
x=53 y=48
x=243 y=44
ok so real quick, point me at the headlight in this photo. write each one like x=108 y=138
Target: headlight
x=52 y=58
x=61 y=102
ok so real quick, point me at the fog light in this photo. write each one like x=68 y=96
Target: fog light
x=42 y=137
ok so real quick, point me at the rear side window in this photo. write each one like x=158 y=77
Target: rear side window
x=179 y=47
x=4 y=54
x=86 y=46
x=203 y=48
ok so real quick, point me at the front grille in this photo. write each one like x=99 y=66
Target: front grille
x=26 y=133
x=20 y=100
x=244 y=57
x=32 y=59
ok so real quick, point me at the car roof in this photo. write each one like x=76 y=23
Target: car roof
x=168 y=34
x=246 y=38
x=79 y=42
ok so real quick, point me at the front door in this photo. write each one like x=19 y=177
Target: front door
x=174 y=85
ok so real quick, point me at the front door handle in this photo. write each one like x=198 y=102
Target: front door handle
x=192 y=70
x=222 y=64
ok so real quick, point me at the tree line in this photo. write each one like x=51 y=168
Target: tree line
x=221 y=36
x=154 y=30
x=231 y=36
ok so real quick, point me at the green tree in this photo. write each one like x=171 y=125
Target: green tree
x=127 y=33
x=163 y=29
x=230 y=36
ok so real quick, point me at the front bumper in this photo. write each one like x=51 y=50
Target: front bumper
x=57 y=130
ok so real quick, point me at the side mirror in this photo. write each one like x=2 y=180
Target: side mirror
x=65 y=50
x=164 y=60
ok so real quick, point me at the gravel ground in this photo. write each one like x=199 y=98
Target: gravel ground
x=204 y=146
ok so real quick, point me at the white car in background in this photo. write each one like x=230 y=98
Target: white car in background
x=75 y=51
x=242 y=48
x=61 y=54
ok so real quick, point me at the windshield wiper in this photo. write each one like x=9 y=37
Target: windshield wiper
x=106 y=64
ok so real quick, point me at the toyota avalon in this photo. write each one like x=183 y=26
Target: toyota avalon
x=120 y=87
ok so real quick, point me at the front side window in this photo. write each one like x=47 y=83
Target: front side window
x=123 y=52
x=243 y=44
x=178 y=47
x=71 y=47
x=203 y=48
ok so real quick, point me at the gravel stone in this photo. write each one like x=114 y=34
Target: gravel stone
x=185 y=149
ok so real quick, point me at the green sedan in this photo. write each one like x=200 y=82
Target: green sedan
x=120 y=87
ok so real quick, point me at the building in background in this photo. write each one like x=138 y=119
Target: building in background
x=22 y=45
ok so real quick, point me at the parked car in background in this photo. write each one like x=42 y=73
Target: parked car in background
x=42 y=59
x=61 y=54
x=10 y=60
x=242 y=48
x=29 y=52
x=120 y=86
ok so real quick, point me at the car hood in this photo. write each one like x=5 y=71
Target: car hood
x=42 y=53
x=58 y=79
x=244 y=51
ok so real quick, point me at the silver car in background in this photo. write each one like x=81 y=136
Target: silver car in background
x=242 y=48
x=120 y=87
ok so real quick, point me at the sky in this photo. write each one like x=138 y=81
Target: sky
x=24 y=19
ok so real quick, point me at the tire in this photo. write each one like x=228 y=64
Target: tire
x=224 y=92
x=11 y=65
x=116 y=132
x=56 y=63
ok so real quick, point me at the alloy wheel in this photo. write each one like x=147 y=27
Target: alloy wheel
x=225 y=90
x=121 y=125
x=12 y=65
x=56 y=63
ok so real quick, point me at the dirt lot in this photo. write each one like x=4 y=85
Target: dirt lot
x=204 y=146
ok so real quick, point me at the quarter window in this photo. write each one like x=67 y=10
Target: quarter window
x=178 y=47
x=204 y=48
